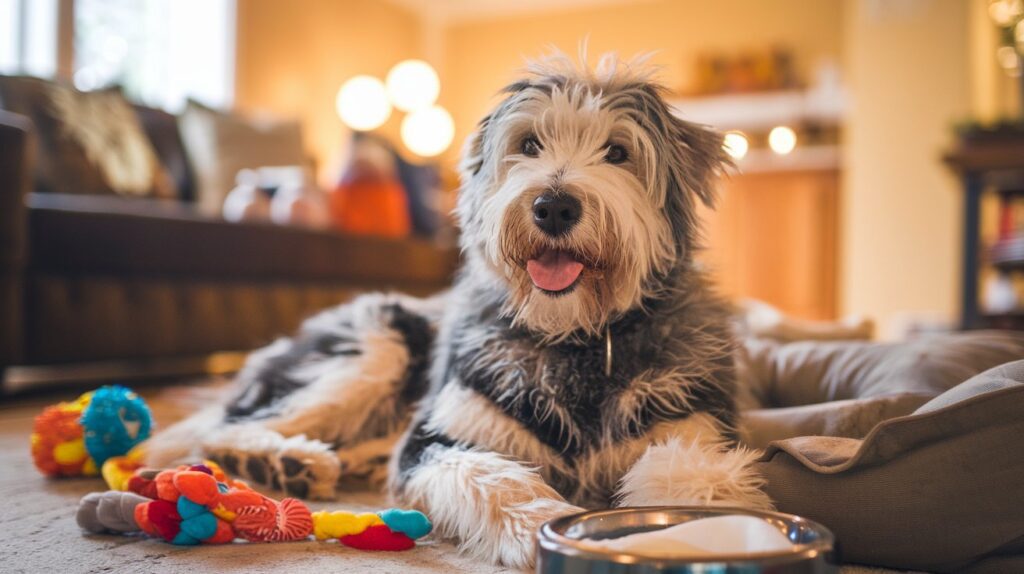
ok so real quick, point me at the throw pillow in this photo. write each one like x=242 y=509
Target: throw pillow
x=88 y=142
x=221 y=144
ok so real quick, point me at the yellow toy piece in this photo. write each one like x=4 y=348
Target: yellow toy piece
x=118 y=469
x=339 y=523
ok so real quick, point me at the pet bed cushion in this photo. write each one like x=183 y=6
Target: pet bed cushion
x=941 y=489
x=846 y=388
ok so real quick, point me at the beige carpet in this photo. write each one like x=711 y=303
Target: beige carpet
x=38 y=532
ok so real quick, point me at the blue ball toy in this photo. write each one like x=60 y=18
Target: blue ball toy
x=116 y=420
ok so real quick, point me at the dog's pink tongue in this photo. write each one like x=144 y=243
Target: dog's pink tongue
x=554 y=270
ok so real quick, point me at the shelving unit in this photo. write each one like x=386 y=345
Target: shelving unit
x=989 y=162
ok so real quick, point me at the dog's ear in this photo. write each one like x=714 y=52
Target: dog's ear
x=693 y=153
x=700 y=158
x=473 y=151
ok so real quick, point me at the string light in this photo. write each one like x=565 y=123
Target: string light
x=413 y=85
x=362 y=103
x=428 y=132
x=782 y=140
x=736 y=145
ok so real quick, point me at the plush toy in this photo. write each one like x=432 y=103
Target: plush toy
x=76 y=438
x=199 y=505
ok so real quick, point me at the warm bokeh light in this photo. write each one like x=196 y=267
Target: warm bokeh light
x=1008 y=60
x=1004 y=12
x=736 y=145
x=363 y=104
x=428 y=132
x=782 y=140
x=413 y=85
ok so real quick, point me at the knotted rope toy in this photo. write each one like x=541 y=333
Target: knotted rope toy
x=75 y=438
x=198 y=504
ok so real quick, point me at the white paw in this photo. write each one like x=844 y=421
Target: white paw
x=516 y=543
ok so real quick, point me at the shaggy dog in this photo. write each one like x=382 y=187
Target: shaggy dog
x=580 y=360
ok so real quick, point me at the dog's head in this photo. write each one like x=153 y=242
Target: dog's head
x=579 y=193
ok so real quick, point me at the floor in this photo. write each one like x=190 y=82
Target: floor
x=38 y=532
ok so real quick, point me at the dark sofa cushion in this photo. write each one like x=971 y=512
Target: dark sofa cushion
x=151 y=238
x=162 y=129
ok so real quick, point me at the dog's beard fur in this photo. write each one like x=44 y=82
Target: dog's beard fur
x=637 y=220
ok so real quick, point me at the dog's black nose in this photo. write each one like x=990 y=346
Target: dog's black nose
x=556 y=212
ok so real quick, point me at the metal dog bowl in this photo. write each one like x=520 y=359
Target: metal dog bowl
x=559 y=550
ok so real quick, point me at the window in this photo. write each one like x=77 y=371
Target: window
x=161 y=52
x=28 y=37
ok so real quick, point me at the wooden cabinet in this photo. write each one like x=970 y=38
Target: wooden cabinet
x=774 y=237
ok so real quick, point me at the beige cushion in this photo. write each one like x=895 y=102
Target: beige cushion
x=810 y=372
x=221 y=144
x=942 y=490
x=88 y=142
x=846 y=388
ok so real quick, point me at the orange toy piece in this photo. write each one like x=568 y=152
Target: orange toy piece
x=190 y=505
x=58 y=443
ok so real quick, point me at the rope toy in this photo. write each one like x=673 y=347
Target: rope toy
x=199 y=504
x=76 y=438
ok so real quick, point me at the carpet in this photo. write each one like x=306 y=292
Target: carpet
x=38 y=531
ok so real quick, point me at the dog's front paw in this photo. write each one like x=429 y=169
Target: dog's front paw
x=516 y=544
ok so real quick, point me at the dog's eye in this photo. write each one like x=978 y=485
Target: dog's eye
x=531 y=147
x=616 y=154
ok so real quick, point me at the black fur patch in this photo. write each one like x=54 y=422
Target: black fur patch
x=275 y=380
x=292 y=466
x=418 y=335
x=257 y=470
x=418 y=440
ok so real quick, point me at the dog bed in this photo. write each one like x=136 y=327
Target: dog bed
x=878 y=441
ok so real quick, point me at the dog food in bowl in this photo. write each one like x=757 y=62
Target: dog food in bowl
x=682 y=540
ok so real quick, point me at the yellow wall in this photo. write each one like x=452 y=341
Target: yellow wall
x=293 y=56
x=481 y=57
x=908 y=68
x=909 y=64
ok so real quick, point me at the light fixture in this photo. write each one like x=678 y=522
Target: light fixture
x=413 y=85
x=1008 y=60
x=736 y=145
x=782 y=139
x=429 y=131
x=362 y=103
x=1004 y=12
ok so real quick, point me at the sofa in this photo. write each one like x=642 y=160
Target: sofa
x=87 y=277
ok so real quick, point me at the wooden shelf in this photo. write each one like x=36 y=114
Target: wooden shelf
x=1013 y=320
x=764 y=110
x=1008 y=254
x=991 y=153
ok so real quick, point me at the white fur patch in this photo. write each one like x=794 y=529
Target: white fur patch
x=493 y=506
x=694 y=472
x=466 y=416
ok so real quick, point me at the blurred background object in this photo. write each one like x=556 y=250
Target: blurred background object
x=369 y=199
x=194 y=176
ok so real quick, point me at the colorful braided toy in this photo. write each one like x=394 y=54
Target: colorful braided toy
x=75 y=438
x=199 y=505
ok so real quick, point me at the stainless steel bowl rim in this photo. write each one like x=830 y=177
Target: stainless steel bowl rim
x=550 y=539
